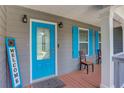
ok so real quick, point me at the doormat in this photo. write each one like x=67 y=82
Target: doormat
x=49 y=83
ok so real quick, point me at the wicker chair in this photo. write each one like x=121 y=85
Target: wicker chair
x=85 y=63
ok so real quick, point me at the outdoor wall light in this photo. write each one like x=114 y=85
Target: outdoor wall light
x=24 y=19
x=60 y=25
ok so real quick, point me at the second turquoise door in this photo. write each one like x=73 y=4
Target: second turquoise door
x=43 y=50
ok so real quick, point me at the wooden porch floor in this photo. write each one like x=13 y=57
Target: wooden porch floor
x=80 y=79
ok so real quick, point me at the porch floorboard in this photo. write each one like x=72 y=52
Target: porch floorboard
x=80 y=79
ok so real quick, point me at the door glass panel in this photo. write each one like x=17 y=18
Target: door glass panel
x=43 y=43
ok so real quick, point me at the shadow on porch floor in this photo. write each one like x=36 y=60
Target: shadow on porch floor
x=79 y=79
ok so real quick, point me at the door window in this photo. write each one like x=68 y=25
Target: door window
x=43 y=43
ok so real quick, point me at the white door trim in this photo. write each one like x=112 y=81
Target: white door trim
x=56 y=72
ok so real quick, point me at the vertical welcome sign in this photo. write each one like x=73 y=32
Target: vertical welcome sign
x=13 y=63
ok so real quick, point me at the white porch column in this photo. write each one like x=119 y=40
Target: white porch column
x=107 y=66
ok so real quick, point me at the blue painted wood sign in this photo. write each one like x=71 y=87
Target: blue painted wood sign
x=13 y=63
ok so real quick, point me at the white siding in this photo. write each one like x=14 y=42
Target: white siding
x=3 y=18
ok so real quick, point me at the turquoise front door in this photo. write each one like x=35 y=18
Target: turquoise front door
x=43 y=50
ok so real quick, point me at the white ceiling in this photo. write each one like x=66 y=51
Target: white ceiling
x=120 y=12
x=83 y=13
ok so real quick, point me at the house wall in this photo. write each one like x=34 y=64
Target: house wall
x=20 y=31
x=3 y=18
